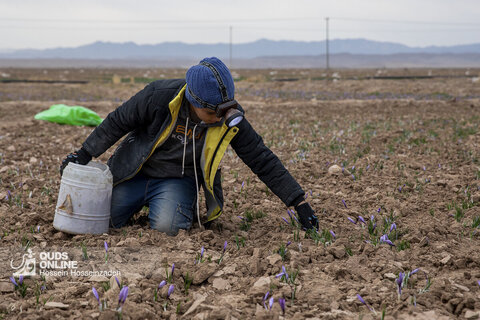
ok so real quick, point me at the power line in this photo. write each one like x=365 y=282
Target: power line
x=407 y=21
x=239 y=20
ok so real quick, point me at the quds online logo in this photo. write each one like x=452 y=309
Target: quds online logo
x=27 y=267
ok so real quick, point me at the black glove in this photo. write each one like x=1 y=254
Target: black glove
x=80 y=157
x=307 y=217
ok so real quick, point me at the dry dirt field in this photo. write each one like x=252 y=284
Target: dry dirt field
x=407 y=152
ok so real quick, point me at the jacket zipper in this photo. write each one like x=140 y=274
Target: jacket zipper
x=156 y=145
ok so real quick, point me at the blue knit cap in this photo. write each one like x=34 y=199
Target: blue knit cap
x=203 y=84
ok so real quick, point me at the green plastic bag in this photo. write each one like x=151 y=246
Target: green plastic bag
x=72 y=115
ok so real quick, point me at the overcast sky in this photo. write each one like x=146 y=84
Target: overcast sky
x=65 y=23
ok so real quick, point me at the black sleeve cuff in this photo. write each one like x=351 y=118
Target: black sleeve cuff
x=298 y=199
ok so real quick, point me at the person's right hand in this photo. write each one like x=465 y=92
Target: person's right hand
x=80 y=157
x=307 y=216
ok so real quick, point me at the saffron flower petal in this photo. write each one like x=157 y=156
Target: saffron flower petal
x=13 y=281
x=118 y=282
x=286 y=221
x=333 y=234
x=162 y=284
x=352 y=221
x=363 y=301
x=281 y=302
x=201 y=252
x=343 y=201
x=393 y=226
x=95 y=293
x=270 y=303
x=362 y=220
x=225 y=246
x=289 y=214
x=173 y=268
x=20 y=280
x=265 y=299
x=106 y=246
x=170 y=290
x=122 y=296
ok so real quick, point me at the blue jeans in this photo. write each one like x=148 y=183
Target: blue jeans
x=171 y=202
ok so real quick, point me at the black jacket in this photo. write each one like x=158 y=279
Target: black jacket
x=145 y=116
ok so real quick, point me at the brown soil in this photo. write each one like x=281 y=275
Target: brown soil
x=409 y=152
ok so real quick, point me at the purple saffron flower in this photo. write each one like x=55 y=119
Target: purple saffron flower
x=20 y=280
x=343 y=201
x=13 y=281
x=286 y=221
x=393 y=226
x=295 y=217
x=243 y=185
x=288 y=243
x=225 y=246
x=414 y=271
x=270 y=303
x=118 y=282
x=95 y=293
x=362 y=220
x=162 y=284
x=281 y=274
x=424 y=168
x=289 y=214
x=106 y=246
x=353 y=168
x=122 y=296
x=368 y=167
x=352 y=221
x=38 y=229
x=333 y=234
x=372 y=218
x=353 y=176
x=201 y=252
x=399 y=282
x=240 y=217
x=265 y=299
x=363 y=301
x=173 y=269
x=378 y=210
x=281 y=302
x=385 y=239
x=478 y=281
x=170 y=290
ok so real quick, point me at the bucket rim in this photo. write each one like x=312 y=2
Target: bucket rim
x=82 y=166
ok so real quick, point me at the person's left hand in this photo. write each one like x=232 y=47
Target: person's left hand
x=307 y=216
x=80 y=156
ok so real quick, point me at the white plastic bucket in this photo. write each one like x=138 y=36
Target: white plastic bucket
x=84 y=199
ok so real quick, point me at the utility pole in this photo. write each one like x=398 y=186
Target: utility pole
x=326 y=47
x=230 y=60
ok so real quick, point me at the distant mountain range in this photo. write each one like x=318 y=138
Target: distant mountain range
x=347 y=53
x=261 y=48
